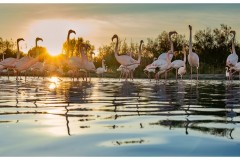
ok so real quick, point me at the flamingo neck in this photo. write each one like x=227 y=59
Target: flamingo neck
x=171 y=44
x=168 y=58
x=190 y=42
x=140 y=52
x=233 y=45
x=68 y=43
x=103 y=66
x=18 y=51
x=116 y=48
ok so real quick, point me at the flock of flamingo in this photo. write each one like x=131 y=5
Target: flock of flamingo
x=161 y=65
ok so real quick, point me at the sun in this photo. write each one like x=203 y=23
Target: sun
x=54 y=33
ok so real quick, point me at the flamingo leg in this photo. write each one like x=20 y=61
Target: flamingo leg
x=230 y=75
x=191 y=72
x=176 y=75
x=197 y=73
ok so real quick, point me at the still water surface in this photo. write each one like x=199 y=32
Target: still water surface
x=108 y=117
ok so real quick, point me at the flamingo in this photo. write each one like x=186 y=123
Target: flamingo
x=124 y=60
x=182 y=70
x=10 y=63
x=193 y=58
x=77 y=63
x=131 y=68
x=165 y=63
x=101 y=70
x=68 y=37
x=164 y=55
x=73 y=60
x=232 y=59
x=134 y=66
x=163 y=66
x=26 y=62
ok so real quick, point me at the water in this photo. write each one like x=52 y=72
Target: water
x=108 y=117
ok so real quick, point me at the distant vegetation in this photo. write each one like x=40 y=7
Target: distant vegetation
x=212 y=45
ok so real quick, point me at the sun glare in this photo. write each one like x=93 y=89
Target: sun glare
x=54 y=33
x=54 y=83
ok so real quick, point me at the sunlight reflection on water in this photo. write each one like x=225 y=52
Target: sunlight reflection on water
x=110 y=113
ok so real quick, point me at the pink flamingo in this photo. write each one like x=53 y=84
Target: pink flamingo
x=232 y=59
x=164 y=55
x=10 y=63
x=193 y=58
x=125 y=60
x=26 y=62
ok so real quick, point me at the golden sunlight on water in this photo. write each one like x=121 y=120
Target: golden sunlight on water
x=113 y=115
x=54 y=83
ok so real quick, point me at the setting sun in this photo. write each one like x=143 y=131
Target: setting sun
x=54 y=33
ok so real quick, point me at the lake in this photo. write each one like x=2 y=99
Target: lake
x=111 y=117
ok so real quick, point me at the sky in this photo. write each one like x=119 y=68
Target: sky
x=99 y=22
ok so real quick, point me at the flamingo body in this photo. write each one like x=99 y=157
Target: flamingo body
x=9 y=62
x=193 y=59
x=232 y=60
x=177 y=64
x=164 y=56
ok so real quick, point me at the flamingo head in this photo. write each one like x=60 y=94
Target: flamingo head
x=20 y=39
x=184 y=47
x=171 y=33
x=233 y=32
x=114 y=36
x=71 y=31
x=190 y=27
x=141 y=42
x=39 y=39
